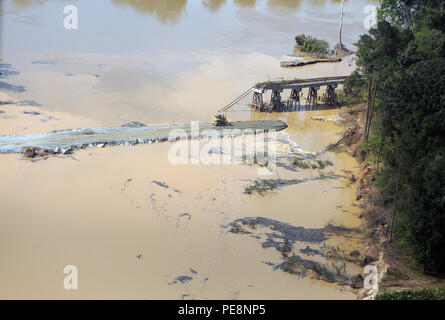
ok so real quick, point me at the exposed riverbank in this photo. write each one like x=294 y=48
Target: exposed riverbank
x=396 y=270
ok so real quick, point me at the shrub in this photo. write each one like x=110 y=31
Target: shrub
x=312 y=46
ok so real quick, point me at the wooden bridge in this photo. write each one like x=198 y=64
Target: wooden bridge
x=296 y=86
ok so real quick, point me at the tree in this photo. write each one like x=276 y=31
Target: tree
x=405 y=53
x=341 y=21
x=414 y=118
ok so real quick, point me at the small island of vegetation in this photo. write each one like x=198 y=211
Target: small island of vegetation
x=312 y=46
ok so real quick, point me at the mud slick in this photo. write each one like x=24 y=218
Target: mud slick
x=298 y=244
x=280 y=230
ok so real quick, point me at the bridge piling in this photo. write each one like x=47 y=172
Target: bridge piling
x=257 y=101
x=275 y=100
x=329 y=97
x=296 y=96
x=311 y=99
x=294 y=99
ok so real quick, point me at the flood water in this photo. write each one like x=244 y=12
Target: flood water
x=104 y=210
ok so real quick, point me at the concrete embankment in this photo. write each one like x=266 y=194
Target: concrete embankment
x=67 y=140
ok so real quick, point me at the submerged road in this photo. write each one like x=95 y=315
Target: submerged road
x=66 y=140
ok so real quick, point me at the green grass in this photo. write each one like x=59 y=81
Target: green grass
x=262 y=160
x=320 y=270
x=323 y=164
x=351 y=97
x=301 y=164
x=326 y=175
x=421 y=294
x=320 y=164
x=260 y=186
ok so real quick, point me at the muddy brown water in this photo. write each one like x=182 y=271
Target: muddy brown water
x=102 y=207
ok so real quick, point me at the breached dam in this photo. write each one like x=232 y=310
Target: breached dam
x=60 y=141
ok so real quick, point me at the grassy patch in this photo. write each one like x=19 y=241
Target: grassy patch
x=297 y=265
x=250 y=224
x=312 y=46
x=260 y=186
x=326 y=175
x=324 y=163
x=236 y=228
x=333 y=147
x=422 y=294
x=306 y=164
x=310 y=252
x=261 y=160
x=301 y=164
x=395 y=273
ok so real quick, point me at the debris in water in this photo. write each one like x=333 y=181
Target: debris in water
x=161 y=184
x=181 y=279
x=280 y=231
x=44 y=61
x=357 y=281
x=300 y=266
x=34 y=152
x=33 y=113
x=133 y=124
x=47 y=119
x=260 y=186
x=185 y=215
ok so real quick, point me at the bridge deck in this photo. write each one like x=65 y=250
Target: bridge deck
x=300 y=83
x=276 y=104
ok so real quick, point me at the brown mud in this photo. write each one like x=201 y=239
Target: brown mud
x=307 y=252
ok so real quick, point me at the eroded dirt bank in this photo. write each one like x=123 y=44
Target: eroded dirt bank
x=395 y=270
